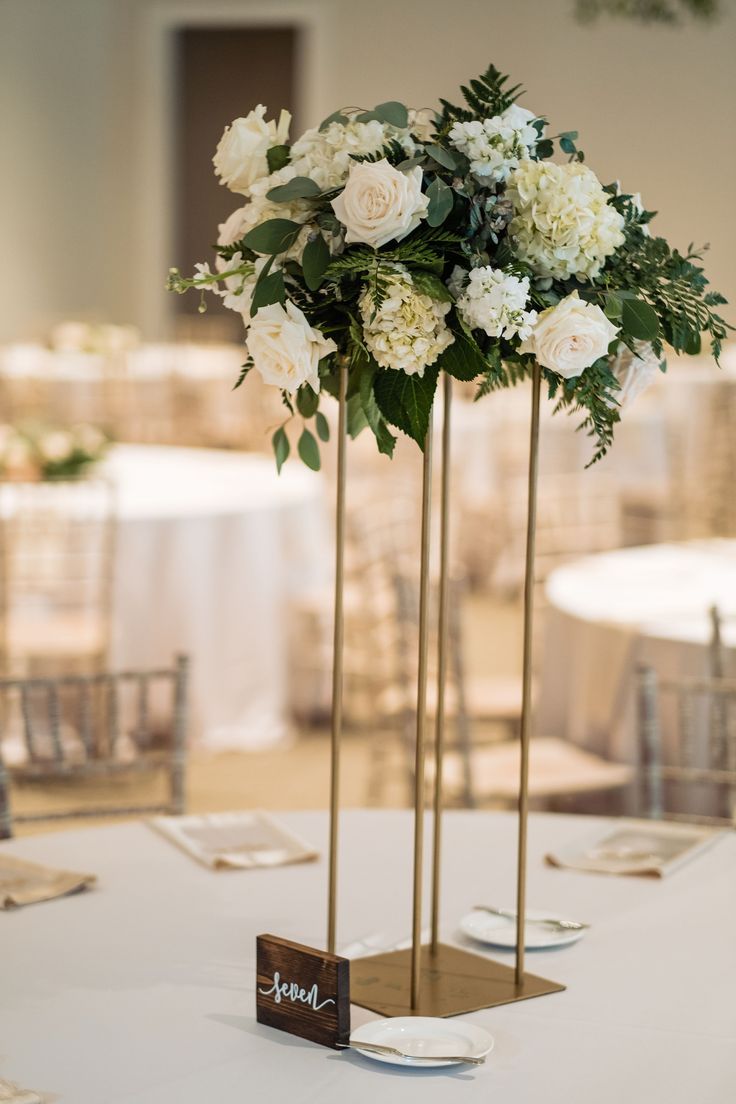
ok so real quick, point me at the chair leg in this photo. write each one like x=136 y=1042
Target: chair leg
x=179 y=751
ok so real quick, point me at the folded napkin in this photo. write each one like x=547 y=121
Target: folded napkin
x=635 y=848
x=235 y=841
x=25 y=883
x=13 y=1094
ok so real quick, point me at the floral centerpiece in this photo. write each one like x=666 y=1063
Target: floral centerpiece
x=397 y=244
x=34 y=452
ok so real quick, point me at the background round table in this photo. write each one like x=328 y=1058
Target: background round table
x=142 y=990
x=211 y=546
x=610 y=612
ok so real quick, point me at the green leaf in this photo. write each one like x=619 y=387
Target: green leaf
x=429 y=284
x=269 y=289
x=639 y=320
x=307 y=401
x=273 y=236
x=613 y=307
x=384 y=438
x=277 y=157
x=315 y=261
x=335 y=117
x=393 y=113
x=463 y=359
x=567 y=145
x=406 y=401
x=322 y=426
x=241 y=377
x=281 y=447
x=300 y=187
x=356 y=419
x=544 y=148
x=443 y=157
x=308 y=450
x=441 y=199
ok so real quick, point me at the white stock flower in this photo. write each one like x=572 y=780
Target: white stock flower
x=379 y=203
x=240 y=158
x=563 y=224
x=496 y=146
x=570 y=336
x=286 y=350
x=233 y=228
x=260 y=210
x=237 y=291
x=634 y=370
x=408 y=331
x=326 y=156
x=495 y=302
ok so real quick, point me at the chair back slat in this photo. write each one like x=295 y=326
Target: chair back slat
x=55 y=735
x=704 y=760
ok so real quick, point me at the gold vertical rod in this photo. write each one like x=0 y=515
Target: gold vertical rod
x=526 y=693
x=416 y=931
x=337 y=660
x=442 y=629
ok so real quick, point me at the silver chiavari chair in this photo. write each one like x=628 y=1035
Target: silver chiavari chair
x=95 y=728
x=704 y=713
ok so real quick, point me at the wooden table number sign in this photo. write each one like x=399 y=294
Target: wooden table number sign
x=303 y=991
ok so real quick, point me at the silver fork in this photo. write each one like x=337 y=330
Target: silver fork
x=379 y=1048
x=548 y=921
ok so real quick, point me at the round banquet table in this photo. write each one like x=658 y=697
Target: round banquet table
x=141 y=991
x=609 y=612
x=210 y=548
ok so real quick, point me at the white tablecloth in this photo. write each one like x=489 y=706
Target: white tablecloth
x=142 y=990
x=608 y=613
x=211 y=546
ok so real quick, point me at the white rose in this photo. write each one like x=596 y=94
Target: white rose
x=240 y=158
x=569 y=337
x=285 y=349
x=379 y=203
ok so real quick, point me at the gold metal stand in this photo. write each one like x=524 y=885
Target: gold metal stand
x=438 y=980
x=337 y=661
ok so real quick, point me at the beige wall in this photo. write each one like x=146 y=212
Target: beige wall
x=84 y=193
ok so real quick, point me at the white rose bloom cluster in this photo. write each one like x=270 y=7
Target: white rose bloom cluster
x=563 y=223
x=496 y=146
x=408 y=331
x=379 y=203
x=325 y=156
x=570 y=336
x=495 y=301
x=240 y=157
x=286 y=350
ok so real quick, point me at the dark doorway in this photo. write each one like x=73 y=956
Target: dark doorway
x=220 y=74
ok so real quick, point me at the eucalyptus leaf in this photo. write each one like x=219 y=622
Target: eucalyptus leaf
x=308 y=450
x=277 y=157
x=443 y=156
x=639 y=320
x=307 y=401
x=322 y=426
x=393 y=113
x=299 y=187
x=274 y=236
x=269 y=289
x=315 y=261
x=335 y=117
x=281 y=447
x=427 y=283
x=441 y=198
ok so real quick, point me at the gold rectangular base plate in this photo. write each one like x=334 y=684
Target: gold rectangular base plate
x=452 y=982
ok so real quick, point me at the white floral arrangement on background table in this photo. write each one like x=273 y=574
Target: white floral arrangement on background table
x=34 y=452
x=403 y=243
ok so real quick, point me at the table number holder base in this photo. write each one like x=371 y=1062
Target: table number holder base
x=436 y=979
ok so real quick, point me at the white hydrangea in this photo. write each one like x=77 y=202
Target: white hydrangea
x=325 y=155
x=563 y=224
x=495 y=302
x=496 y=146
x=408 y=331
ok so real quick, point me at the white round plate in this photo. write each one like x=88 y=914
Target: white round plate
x=500 y=931
x=423 y=1036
